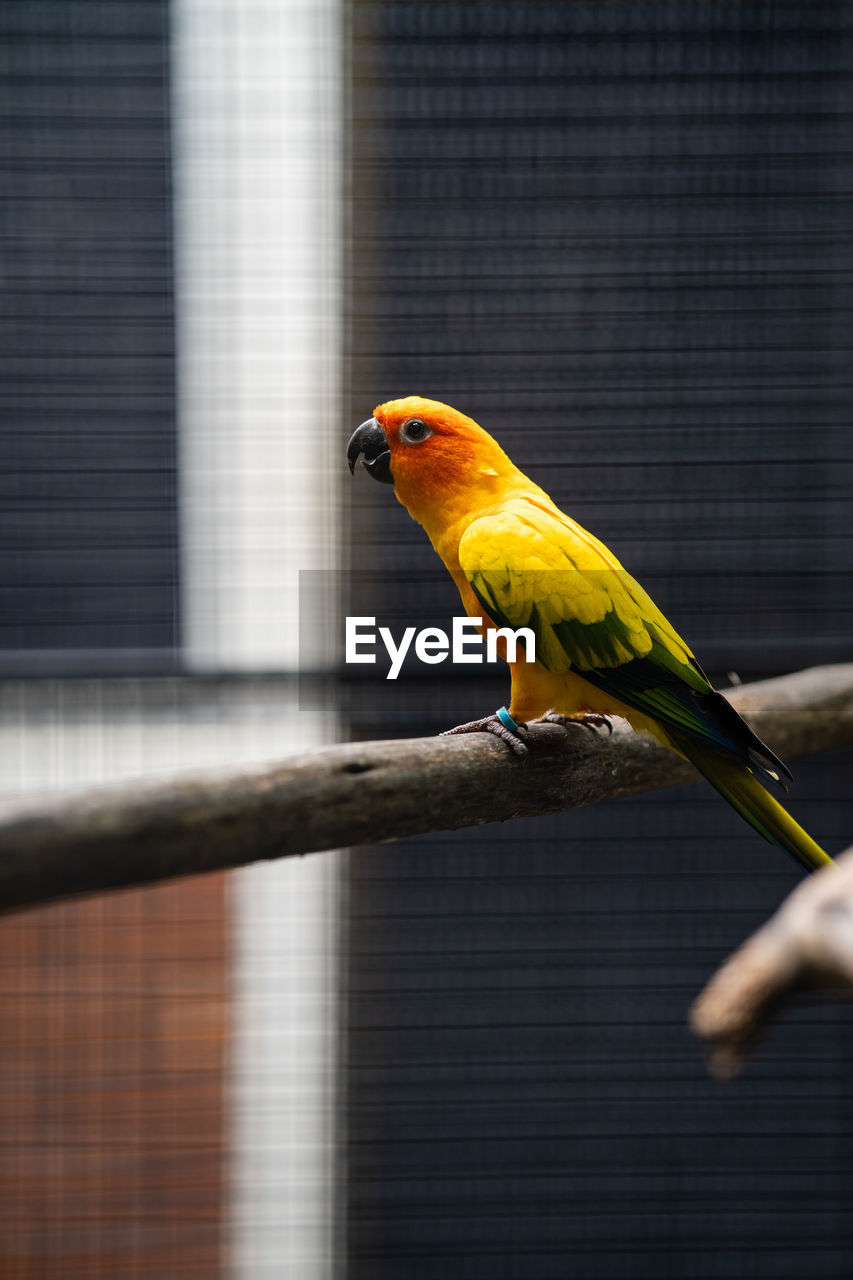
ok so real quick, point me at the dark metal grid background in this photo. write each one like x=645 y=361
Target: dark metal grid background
x=619 y=236
x=88 y=507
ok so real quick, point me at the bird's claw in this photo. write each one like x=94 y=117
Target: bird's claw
x=587 y=720
x=492 y=724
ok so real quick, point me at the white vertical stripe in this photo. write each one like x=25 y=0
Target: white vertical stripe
x=282 y=1164
x=257 y=267
x=256 y=110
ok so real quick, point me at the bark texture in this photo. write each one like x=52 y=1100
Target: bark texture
x=366 y=792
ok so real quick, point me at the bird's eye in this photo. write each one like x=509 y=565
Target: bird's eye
x=415 y=430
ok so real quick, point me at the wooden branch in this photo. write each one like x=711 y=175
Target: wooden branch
x=807 y=944
x=366 y=792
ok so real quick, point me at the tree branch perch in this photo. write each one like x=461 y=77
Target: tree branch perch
x=806 y=945
x=365 y=792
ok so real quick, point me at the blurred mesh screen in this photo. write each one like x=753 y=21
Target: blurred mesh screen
x=88 y=520
x=618 y=235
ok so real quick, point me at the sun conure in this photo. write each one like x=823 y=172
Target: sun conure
x=603 y=648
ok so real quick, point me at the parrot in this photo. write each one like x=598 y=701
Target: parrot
x=602 y=647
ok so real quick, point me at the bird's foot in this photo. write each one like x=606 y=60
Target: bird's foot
x=502 y=725
x=586 y=719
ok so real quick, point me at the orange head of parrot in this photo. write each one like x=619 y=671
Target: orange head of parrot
x=433 y=455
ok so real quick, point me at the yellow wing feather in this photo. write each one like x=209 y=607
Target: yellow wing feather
x=537 y=567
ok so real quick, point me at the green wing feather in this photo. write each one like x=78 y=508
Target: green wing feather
x=530 y=565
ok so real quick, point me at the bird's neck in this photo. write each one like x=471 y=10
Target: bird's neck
x=445 y=512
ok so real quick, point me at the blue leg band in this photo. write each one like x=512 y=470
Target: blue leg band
x=506 y=720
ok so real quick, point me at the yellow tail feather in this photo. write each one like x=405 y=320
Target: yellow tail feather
x=754 y=803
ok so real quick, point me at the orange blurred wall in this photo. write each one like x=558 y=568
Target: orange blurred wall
x=113 y=1016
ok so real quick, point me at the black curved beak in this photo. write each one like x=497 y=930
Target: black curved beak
x=371 y=443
